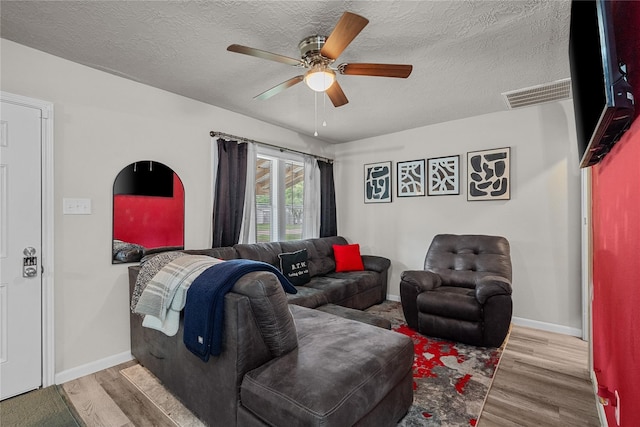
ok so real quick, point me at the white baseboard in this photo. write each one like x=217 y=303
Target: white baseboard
x=393 y=297
x=93 y=367
x=550 y=327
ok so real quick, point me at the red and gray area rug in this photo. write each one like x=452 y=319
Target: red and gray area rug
x=450 y=380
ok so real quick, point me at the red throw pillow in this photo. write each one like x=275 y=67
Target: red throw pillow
x=348 y=258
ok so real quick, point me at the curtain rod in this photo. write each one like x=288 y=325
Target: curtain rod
x=241 y=139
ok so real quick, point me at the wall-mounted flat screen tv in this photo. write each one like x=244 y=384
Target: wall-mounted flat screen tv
x=602 y=97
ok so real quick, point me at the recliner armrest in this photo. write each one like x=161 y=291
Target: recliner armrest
x=376 y=263
x=424 y=280
x=489 y=286
x=412 y=284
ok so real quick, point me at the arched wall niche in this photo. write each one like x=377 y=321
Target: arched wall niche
x=148 y=211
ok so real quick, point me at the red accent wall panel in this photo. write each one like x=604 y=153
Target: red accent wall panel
x=616 y=245
x=616 y=274
x=150 y=221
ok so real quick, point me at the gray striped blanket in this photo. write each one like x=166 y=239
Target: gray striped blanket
x=164 y=294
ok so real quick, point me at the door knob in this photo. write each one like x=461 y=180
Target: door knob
x=30 y=272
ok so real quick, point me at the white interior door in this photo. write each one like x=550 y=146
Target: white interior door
x=20 y=249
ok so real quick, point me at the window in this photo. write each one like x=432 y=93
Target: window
x=279 y=197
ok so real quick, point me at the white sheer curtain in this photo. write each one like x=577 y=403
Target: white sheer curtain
x=248 y=230
x=311 y=218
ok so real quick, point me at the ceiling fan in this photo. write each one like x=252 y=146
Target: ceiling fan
x=318 y=53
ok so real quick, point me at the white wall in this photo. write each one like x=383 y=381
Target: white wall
x=541 y=221
x=103 y=123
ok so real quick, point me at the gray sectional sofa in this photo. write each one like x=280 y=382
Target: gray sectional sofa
x=285 y=360
x=355 y=289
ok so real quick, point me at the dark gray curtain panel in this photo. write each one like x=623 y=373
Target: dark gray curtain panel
x=228 y=205
x=328 y=223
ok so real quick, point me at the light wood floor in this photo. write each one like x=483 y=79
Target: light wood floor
x=542 y=380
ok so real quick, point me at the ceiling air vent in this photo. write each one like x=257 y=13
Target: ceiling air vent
x=534 y=95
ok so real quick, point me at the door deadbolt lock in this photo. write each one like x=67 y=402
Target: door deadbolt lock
x=29 y=263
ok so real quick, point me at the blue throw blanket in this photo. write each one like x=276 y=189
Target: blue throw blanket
x=204 y=308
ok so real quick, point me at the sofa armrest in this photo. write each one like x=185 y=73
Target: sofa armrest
x=421 y=279
x=489 y=286
x=270 y=309
x=376 y=263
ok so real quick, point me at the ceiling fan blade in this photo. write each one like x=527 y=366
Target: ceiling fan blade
x=347 y=28
x=265 y=55
x=279 y=88
x=336 y=95
x=379 y=70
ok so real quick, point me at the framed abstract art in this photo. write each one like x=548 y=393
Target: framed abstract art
x=489 y=174
x=444 y=176
x=377 y=182
x=410 y=177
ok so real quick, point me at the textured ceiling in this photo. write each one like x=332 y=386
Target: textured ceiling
x=464 y=53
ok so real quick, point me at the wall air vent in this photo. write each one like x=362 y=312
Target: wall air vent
x=540 y=94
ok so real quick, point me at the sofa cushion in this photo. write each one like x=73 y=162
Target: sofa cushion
x=320 y=251
x=359 y=315
x=225 y=253
x=265 y=252
x=451 y=302
x=348 y=257
x=337 y=375
x=338 y=287
x=308 y=297
x=294 y=266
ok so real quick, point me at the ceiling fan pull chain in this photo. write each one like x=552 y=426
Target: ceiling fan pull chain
x=324 y=109
x=315 y=113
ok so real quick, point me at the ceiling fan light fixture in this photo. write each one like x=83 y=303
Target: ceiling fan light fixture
x=320 y=78
x=318 y=55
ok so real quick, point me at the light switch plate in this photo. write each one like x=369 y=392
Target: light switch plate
x=76 y=206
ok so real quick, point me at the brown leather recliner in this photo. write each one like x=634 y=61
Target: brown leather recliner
x=463 y=293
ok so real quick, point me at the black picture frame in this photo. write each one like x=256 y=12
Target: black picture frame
x=410 y=178
x=378 y=182
x=444 y=175
x=489 y=174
